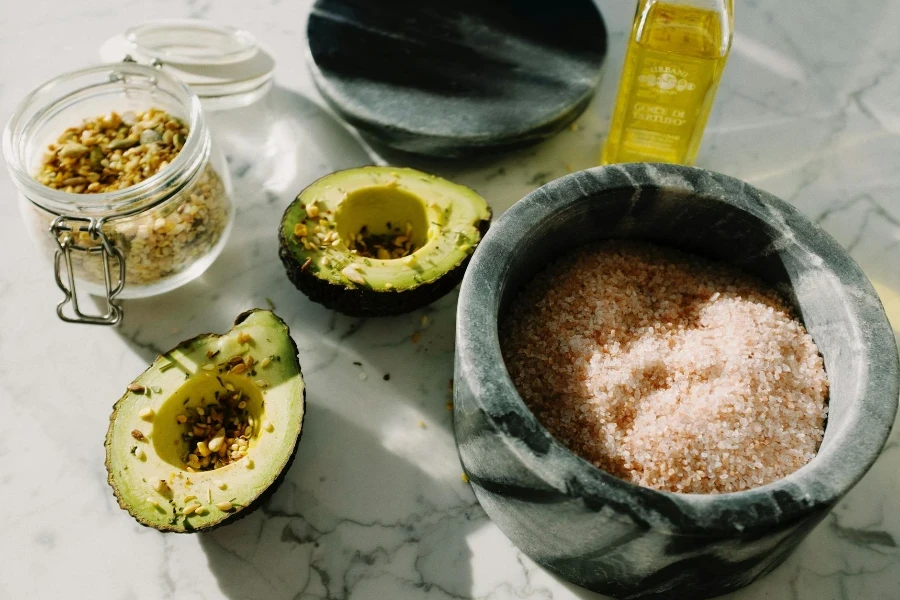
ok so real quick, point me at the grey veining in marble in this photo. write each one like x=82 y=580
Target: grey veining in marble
x=612 y=536
x=807 y=109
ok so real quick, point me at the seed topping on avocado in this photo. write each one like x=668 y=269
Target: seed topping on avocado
x=353 y=275
x=388 y=246
x=218 y=433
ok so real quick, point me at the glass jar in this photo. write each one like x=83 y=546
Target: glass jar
x=139 y=241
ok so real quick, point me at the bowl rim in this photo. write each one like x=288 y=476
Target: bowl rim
x=822 y=481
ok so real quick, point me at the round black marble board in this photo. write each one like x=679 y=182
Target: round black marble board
x=457 y=77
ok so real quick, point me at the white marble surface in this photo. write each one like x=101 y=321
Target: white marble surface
x=374 y=507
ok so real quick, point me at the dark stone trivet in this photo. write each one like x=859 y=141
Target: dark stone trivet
x=455 y=77
x=615 y=537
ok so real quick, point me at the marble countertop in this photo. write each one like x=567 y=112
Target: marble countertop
x=374 y=506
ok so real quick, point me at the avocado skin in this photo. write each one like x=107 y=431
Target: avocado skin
x=365 y=302
x=240 y=512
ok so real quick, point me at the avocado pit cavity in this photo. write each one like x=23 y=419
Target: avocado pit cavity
x=382 y=222
x=213 y=420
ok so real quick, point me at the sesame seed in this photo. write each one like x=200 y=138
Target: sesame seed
x=224 y=506
x=146 y=414
x=353 y=275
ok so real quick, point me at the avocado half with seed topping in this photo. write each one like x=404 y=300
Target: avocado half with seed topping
x=206 y=433
x=376 y=241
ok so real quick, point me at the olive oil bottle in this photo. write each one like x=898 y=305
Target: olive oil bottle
x=675 y=58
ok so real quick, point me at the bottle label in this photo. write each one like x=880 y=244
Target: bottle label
x=666 y=102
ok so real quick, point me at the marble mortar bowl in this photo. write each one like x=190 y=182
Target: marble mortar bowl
x=615 y=537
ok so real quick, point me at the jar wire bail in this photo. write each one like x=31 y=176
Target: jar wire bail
x=61 y=230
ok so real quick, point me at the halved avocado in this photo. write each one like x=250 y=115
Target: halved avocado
x=206 y=433
x=376 y=241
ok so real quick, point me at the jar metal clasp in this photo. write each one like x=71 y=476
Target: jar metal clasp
x=62 y=229
x=115 y=76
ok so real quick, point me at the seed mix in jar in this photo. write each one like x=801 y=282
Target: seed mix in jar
x=113 y=152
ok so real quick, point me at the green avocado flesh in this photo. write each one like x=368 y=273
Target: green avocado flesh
x=441 y=223
x=249 y=376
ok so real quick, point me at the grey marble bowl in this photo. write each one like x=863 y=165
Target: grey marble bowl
x=615 y=537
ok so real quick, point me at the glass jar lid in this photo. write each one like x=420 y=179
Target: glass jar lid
x=224 y=66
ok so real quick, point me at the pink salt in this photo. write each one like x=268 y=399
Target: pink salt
x=667 y=370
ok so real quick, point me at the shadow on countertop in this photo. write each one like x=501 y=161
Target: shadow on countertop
x=350 y=520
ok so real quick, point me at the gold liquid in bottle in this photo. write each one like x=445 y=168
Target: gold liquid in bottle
x=676 y=54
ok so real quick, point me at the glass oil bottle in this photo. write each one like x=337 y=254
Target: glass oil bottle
x=675 y=58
